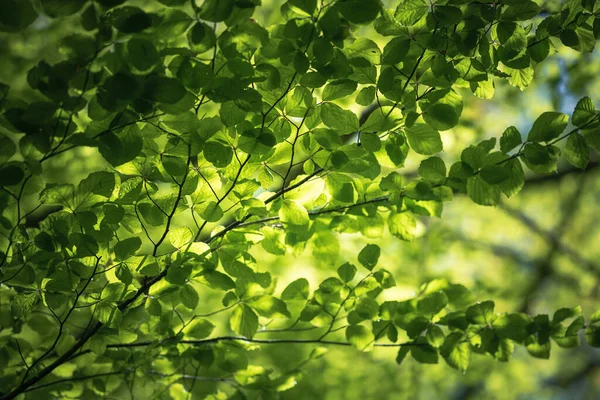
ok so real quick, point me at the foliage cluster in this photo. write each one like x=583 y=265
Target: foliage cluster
x=221 y=135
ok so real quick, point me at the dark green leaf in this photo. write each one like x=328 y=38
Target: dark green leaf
x=577 y=151
x=127 y=248
x=369 y=256
x=424 y=354
x=189 y=296
x=338 y=89
x=510 y=139
x=164 y=90
x=346 y=272
x=584 y=112
x=548 y=126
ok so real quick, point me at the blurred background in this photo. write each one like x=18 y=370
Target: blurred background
x=537 y=252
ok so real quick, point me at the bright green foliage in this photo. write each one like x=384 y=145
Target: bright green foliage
x=221 y=135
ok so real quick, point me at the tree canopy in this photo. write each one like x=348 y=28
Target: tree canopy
x=164 y=166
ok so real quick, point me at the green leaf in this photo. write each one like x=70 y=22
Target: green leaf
x=199 y=328
x=331 y=285
x=481 y=313
x=257 y=141
x=395 y=50
x=142 y=53
x=16 y=15
x=521 y=11
x=510 y=139
x=359 y=11
x=211 y=211
x=435 y=336
x=7 y=148
x=370 y=141
x=244 y=321
x=127 y=248
x=164 y=90
x=423 y=139
x=548 y=126
x=369 y=256
x=297 y=290
x=201 y=38
x=482 y=192
x=313 y=80
x=515 y=326
x=215 y=10
x=456 y=352
x=338 y=89
x=410 y=11
x=360 y=337
x=308 y=6
x=433 y=169
x=189 y=296
x=346 y=272
x=382 y=119
x=323 y=50
x=340 y=120
x=512 y=37
x=108 y=314
x=402 y=353
x=11 y=174
x=537 y=349
x=180 y=236
x=216 y=280
x=541 y=159
x=433 y=303
x=217 y=153
x=269 y=306
x=424 y=354
x=293 y=213
x=584 y=112
x=123 y=147
x=577 y=151
x=61 y=8
x=301 y=63
x=86 y=245
x=494 y=174
x=565 y=313
x=22 y=304
x=127 y=19
x=442 y=109
x=403 y=225
x=366 y=96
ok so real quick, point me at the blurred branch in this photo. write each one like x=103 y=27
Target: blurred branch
x=552 y=238
x=563 y=381
x=533 y=181
x=544 y=268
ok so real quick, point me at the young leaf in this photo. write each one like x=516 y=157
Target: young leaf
x=297 y=290
x=369 y=256
x=361 y=337
x=244 y=321
x=291 y=212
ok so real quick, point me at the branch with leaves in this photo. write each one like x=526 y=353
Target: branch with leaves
x=222 y=136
